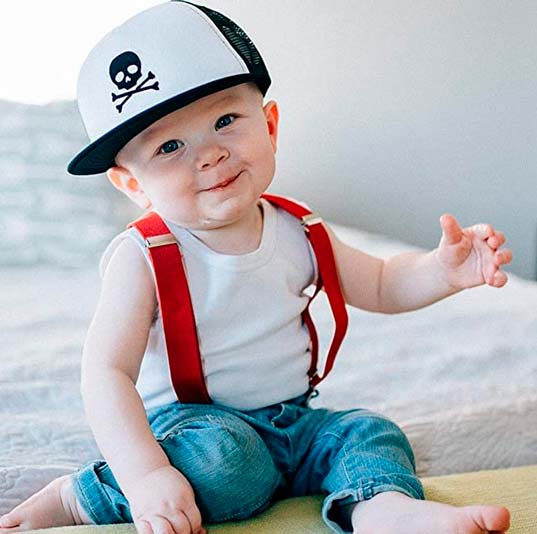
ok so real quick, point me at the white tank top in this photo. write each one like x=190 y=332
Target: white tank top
x=254 y=347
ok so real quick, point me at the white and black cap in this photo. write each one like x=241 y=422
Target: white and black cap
x=158 y=61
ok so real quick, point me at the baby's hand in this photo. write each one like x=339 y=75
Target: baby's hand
x=162 y=502
x=471 y=256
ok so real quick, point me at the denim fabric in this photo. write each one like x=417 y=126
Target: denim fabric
x=240 y=462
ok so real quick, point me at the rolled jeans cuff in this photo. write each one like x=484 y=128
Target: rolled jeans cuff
x=94 y=500
x=409 y=486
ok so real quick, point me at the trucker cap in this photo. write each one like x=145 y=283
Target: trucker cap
x=156 y=62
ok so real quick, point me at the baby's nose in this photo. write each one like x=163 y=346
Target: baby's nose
x=211 y=155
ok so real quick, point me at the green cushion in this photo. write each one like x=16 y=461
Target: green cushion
x=514 y=488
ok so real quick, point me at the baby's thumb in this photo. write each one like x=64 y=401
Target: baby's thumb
x=451 y=231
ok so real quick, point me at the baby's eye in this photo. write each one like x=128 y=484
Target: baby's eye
x=170 y=146
x=226 y=120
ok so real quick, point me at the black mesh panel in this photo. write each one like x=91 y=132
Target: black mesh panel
x=237 y=38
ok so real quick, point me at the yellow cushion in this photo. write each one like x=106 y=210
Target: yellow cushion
x=514 y=488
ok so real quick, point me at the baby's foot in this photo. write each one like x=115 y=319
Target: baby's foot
x=54 y=506
x=395 y=513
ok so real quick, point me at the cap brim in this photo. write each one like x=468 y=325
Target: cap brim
x=100 y=155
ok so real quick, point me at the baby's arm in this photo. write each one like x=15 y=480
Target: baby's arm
x=160 y=496
x=464 y=258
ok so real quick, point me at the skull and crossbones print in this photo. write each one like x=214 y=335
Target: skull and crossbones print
x=125 y=71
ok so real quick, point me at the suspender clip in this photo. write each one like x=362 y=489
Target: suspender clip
x=160 y=240
x=310 y=220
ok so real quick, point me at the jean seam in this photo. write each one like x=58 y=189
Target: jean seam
x=176 y=437
x=179 y=426
x=344 y=462
x=290 y=443
x=372 y=485
x=365 y=414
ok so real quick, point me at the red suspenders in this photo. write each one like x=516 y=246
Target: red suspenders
x=178 y=315
x=176 y=309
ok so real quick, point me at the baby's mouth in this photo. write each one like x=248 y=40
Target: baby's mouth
x=223 y=184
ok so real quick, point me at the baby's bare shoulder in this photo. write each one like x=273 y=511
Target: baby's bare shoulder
x=128 y=279
x=128 y=260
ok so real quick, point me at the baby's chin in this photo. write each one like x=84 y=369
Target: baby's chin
x=219 y=213
x=204 y=224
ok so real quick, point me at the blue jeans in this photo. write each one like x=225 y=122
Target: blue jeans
x=240 y=462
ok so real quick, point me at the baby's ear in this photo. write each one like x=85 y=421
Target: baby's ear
x=272 y=116
x=124 y=181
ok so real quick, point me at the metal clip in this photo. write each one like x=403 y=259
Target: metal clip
x=160 y=240
x=311 y=219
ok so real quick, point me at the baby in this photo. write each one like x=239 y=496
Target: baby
x=197 y=368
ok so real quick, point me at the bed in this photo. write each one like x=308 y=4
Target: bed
x=459 y=377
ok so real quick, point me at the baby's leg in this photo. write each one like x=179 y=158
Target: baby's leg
x=366 y=465
x=53 y=506
x=227 y=463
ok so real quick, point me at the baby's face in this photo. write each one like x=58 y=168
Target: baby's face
x=204 y=166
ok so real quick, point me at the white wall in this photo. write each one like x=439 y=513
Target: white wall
x=394 y=112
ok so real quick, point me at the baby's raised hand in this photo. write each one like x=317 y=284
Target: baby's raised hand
x=470 y=257
x=162 y=502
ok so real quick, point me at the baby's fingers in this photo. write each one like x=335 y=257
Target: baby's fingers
x=163 y=525
x=172 y=525
x=143 y=527
x=158 y=524
x=501 y=257
x=482 y=231
x=498 y=280
x=496 y=240
x=193 y=516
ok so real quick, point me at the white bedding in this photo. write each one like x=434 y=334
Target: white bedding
x=460 y=376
